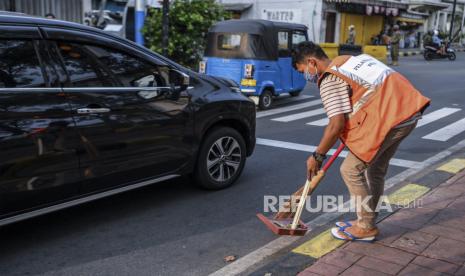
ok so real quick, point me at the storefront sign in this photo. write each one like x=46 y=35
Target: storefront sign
x=411 y=16
x=283 y=15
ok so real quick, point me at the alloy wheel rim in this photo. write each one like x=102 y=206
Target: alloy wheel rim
x=224 y=159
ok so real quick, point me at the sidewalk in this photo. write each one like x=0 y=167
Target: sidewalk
x=426 y=240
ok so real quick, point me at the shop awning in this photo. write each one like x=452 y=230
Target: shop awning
x=415 y=4
x=385 y=3
x=236 y=7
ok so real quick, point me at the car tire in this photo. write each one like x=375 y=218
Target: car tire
x=266 y=100
x=295 y=93
x=221 y=159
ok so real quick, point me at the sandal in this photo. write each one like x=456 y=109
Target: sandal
x=336 y=232
x=344 y=223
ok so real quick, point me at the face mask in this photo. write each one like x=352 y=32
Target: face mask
x=309 y=77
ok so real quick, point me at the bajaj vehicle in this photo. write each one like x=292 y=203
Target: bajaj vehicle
x=257 y=55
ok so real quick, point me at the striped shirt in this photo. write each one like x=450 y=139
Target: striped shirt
x=335 y=96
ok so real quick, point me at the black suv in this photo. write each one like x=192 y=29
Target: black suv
x=84 y=115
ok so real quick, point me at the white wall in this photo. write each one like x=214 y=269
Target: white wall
x=307 y=12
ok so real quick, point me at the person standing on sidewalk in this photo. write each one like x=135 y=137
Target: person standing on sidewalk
x=371 y=108
x=395 y=40
x=352 y=34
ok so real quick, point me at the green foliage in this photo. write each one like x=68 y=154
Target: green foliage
x=189 y=21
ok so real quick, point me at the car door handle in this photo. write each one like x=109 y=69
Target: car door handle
x=88 y=110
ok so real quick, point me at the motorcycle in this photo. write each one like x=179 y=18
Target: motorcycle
x=431 y=52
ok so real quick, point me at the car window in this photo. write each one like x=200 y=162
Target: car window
x=19 y=64
x=128 y=70
x=298 y=37
x=231 y=42
x=283 y=44
x=82 y=69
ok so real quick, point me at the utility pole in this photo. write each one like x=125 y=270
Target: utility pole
x=139 y=21
x=165 y=27
x=452 y=21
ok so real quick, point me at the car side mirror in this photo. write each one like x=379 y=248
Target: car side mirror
x=179 y=82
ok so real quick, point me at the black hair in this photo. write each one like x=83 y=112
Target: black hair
x=307 y=49
x=50 y=15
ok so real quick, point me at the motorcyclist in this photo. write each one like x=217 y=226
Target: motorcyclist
x=437 y=42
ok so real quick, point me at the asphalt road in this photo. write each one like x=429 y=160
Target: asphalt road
x=173 y=228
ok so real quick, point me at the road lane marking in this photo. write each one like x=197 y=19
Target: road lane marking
x=319 y=245
x=407 y=194
x=298 y=116
x=248 y=261
x=321 y=122
x=447 y=132
x=436 y=115
x=453 y=166
x=309 y=148
x=275 y=111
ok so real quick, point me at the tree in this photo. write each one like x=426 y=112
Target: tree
x=189 y=21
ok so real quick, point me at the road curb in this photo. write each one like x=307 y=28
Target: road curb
x=308 y=250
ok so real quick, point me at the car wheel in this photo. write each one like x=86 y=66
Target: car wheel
x=266 y=100
x=295 y=93
x=451 y=56
x=221 y=159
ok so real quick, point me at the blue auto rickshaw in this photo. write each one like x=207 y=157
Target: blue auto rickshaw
x=256 y=54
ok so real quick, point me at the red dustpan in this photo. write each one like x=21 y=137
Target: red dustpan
x=289 y=223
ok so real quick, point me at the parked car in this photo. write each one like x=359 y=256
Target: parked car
x=85 y=115
x=257 y=55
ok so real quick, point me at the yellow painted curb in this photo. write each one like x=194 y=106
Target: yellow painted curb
x=407 y=194
x=319 y=245
x=453 y=166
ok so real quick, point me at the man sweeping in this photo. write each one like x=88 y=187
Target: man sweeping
x=371 y=108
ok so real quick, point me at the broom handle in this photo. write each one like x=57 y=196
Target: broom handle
x=311 y=185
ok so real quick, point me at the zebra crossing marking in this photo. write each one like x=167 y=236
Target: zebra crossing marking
x=308 y=148
x=300 y=115
x=287 y=99
x=447 y=132
x=321 y=122
x=280 y=110
x=436 y=115
x=442 y=134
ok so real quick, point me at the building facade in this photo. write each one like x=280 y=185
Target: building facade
x=69 y=10
x=329 y=20
x=307 y=12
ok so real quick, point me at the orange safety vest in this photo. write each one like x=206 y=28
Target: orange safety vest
x=381 y=99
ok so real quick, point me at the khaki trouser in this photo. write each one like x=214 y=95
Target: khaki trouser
x=395 y=52
x=364 y=179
